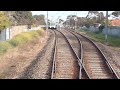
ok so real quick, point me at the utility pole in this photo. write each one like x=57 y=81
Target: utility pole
x=47 y=22
x=69 y=23
x=76 y=21
x=100 y=16
x=106 y=26
x=59 y=24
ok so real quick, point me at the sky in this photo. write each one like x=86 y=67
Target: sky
x=54 y=15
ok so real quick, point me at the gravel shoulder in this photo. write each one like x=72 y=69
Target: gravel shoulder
x=40 y=67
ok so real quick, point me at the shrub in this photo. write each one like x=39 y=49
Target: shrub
x=101 y=28
x=4 y=46
x=19 y=39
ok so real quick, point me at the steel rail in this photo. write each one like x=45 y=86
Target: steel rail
x=78 y=59
x=103 y=56
x=54 y=58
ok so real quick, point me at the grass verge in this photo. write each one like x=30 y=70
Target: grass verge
x=19 y=39
x=100 y=37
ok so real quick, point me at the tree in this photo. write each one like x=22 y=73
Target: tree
x=100 y=18
x=39 y=19
x=71 y=20
x=20 y=17
x=4 y=21
x=23 y=17
x=103 y=24
x=81 y=21
x=91 y=13
x=91 y=18
x=116 y=13
x=95 y=17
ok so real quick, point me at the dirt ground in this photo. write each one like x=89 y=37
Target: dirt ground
x=13 y=63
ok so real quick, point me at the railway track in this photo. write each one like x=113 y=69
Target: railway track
x=95 y=62
x=64 y=62
x=77 y=47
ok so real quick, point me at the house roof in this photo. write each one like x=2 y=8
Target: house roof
x=115 y=22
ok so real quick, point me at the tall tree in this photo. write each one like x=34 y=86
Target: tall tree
x=100 y=17
x=20 y=17
x=91 y=13
x=95 y=17
x=23 y=17
x=39 y=20
x=71 y=19
x=81 y=21
x=4 y=21
x=116 y=13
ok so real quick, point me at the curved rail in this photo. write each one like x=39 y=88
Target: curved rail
x=103 y=56
x=81 y=57
x=78 y=59
x=54 y=56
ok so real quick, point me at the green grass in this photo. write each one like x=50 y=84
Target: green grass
x=114 y=41
x=19 y=39
x=98 y=36
x=4 y=46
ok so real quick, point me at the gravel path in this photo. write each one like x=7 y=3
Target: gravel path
x=40 y=68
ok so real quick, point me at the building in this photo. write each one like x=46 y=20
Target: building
x=115 y=22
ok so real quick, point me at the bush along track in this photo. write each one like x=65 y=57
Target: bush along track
x=19 y=40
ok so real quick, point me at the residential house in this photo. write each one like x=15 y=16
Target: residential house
x=115 y=22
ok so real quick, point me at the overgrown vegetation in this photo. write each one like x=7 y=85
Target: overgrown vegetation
x=39 y=20
x=19 y=39
x=25 y=18
x=20 y=17
x=100 y=37
x=4 y=21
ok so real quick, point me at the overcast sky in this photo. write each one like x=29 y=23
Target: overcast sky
x=63 y=14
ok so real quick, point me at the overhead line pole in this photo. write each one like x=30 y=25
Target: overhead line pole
x=106 y=27
x=47 y=21
x=47 y=24
x=76 y=21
